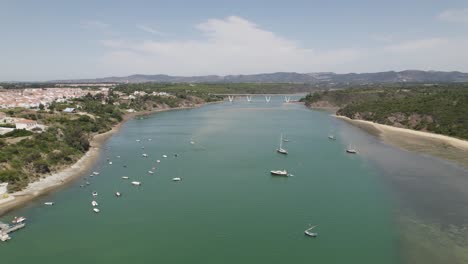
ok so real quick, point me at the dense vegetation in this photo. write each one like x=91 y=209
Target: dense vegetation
x=63 y=142
x=441 y=109
x=206 y=90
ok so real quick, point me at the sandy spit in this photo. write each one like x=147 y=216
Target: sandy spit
x=424 y=142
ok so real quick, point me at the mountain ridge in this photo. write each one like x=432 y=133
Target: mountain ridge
x=410 y=76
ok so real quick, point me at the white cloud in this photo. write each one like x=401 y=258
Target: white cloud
x=150 y=30
x=228 y=46
x=454 y=15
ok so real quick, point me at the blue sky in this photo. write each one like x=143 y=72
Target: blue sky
x=43 y=40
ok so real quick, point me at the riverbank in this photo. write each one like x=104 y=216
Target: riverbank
x=445 y=147
x=84 y=164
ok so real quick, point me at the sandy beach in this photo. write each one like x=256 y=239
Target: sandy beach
x=53 y=181
x=423 y=142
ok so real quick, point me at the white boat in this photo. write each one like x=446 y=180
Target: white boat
x=331 y=137
x=281 y=149
x=110 y=162
x=95 y=173
x=176 y=179
x=149 y=139
x=145 y=155
x=192 y=142
x=94 y=203
x=87 y=183
x=158 y=161
x=137 y=140
x=150 y=172
x=125 y=177
x=279 y=172
x=309 y=232
x=117 y=194
x=351 y=150
x=18 y=220
x=164 y=156
x=136 y=183
x=95 y=194
x=118 y=157
x=49 y=203
x=96 y=210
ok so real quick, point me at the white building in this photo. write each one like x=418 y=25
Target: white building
x=25 y=124
x=3 y=189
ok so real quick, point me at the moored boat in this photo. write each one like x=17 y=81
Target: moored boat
x=136 y=183
x=279 y=172
x=176 y=179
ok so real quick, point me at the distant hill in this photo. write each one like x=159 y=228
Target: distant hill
x=410 y=76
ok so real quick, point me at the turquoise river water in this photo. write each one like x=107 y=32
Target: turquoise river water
x=228 y=208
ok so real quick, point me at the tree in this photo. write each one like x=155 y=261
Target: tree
x=41 y=106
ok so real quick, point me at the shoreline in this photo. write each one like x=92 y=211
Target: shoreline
x=60 y=178
x=441 y=146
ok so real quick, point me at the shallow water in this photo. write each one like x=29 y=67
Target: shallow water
x=227 y=208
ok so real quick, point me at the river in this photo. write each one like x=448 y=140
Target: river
x=379 y=206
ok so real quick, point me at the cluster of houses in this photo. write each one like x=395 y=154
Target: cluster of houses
x=19 y=123
x=34 y=97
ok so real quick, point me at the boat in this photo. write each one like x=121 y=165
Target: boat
x=351 y=150
x=18 y=220
x=118 y=157
x=176 y=179
x=158 y=161
x=117 y=194
x=149 y=139
x=136 y=183
x=87 y=183
x=49 y=203
x=95 y=173
x=96 y=210
x=125 y=177
x=164 y=156
x=150 y=172
x=281 y=149
x=110 y=162
x=331 y=137
x=94 y=203
x=309 y=232
x=192 y=142
x=137 y=140
x=145 y=155
x=279 y=172
x=95 y=194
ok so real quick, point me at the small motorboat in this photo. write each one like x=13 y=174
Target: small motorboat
x=94 y=203
x=150 y=172
x=331 y=137
x=95 y=173
x=87 y=183
x=96 y=210
x=49 y=203
x=279 y=172
x=118 y=157
x=137 y=140
x=145 y=155
x=176 y=179
x=192 y=142
x=149 y=139
x=117 y=194
x=164 y=156
x=309 y=232
x=95 y=194
x=125 y=177
x=18 y=220
x=158 y=161
x=136 y=183
x=351 y=150
x=110 y=162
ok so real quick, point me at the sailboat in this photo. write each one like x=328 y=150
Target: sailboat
x=281 y=149
x=351 y=150
x=309 y=232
